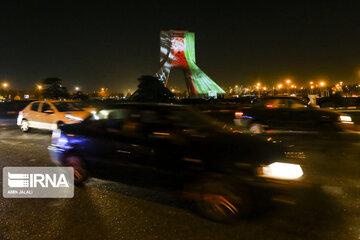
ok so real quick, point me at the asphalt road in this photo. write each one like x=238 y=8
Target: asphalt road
x=329 y=209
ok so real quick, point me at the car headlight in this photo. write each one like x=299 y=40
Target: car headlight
x=345 y=119
x=285 y=171
x=73 y=118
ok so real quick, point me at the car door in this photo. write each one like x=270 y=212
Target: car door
x=125 y=154
x=175 y=141
x=274 y=113
x=302 y=117
x=47 y=116
x=33 y=115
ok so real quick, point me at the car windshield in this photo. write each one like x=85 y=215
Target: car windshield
x=66 y=107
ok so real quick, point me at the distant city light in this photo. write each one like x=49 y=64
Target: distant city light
x=77 y=89
x=5 y=84
x=279 y=86
x=39 y=87
x=311 y=83
x=322 y=84
x=288 y=81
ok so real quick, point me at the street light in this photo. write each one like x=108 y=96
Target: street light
x=5 y=85
x=77 y=89
x=39 y=87
x=288 y=81
x=322 y=84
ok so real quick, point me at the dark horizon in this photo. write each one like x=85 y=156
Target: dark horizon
x=97 y=44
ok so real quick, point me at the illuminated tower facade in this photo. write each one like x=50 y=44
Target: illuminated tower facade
x=177 y=50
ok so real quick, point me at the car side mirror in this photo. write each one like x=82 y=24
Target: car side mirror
x=49 y=111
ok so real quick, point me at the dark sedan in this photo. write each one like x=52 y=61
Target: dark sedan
x=174 y=148
x=278 y=114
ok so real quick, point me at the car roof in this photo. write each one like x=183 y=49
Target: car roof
x=41 y=101
x=279 y=97
x=143 y=105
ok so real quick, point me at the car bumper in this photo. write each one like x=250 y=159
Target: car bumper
x=265 y=191
x=347 y=127
x=19 y=120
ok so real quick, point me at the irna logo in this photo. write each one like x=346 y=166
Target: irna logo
x=19 y=180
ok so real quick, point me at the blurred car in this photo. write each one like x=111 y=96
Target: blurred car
x=49 y=115
x=176 y=149
x=285 y=113
x=290 y=113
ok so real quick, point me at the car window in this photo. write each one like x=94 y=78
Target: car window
x=66 y=107
x=46 y=107
x=296 y=104
x=274 y=103
x=35 y=106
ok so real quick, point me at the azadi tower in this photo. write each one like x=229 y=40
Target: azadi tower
x=177 y=50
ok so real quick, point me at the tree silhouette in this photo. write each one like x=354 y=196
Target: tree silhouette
x=53 y=89
x=151 y=89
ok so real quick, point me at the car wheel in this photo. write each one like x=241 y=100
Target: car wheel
x=256 y=128
x=80 y=172
x=25 y=126
x=221 y=203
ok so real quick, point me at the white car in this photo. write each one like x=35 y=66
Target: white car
x=49 y=115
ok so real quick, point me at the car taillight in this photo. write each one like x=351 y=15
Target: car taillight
x=269 y=106
x=21 y=112
x=239 y=114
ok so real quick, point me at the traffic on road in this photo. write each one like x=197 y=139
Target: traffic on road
x=196 y=165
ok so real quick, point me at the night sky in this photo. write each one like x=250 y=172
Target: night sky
x=95 y=44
